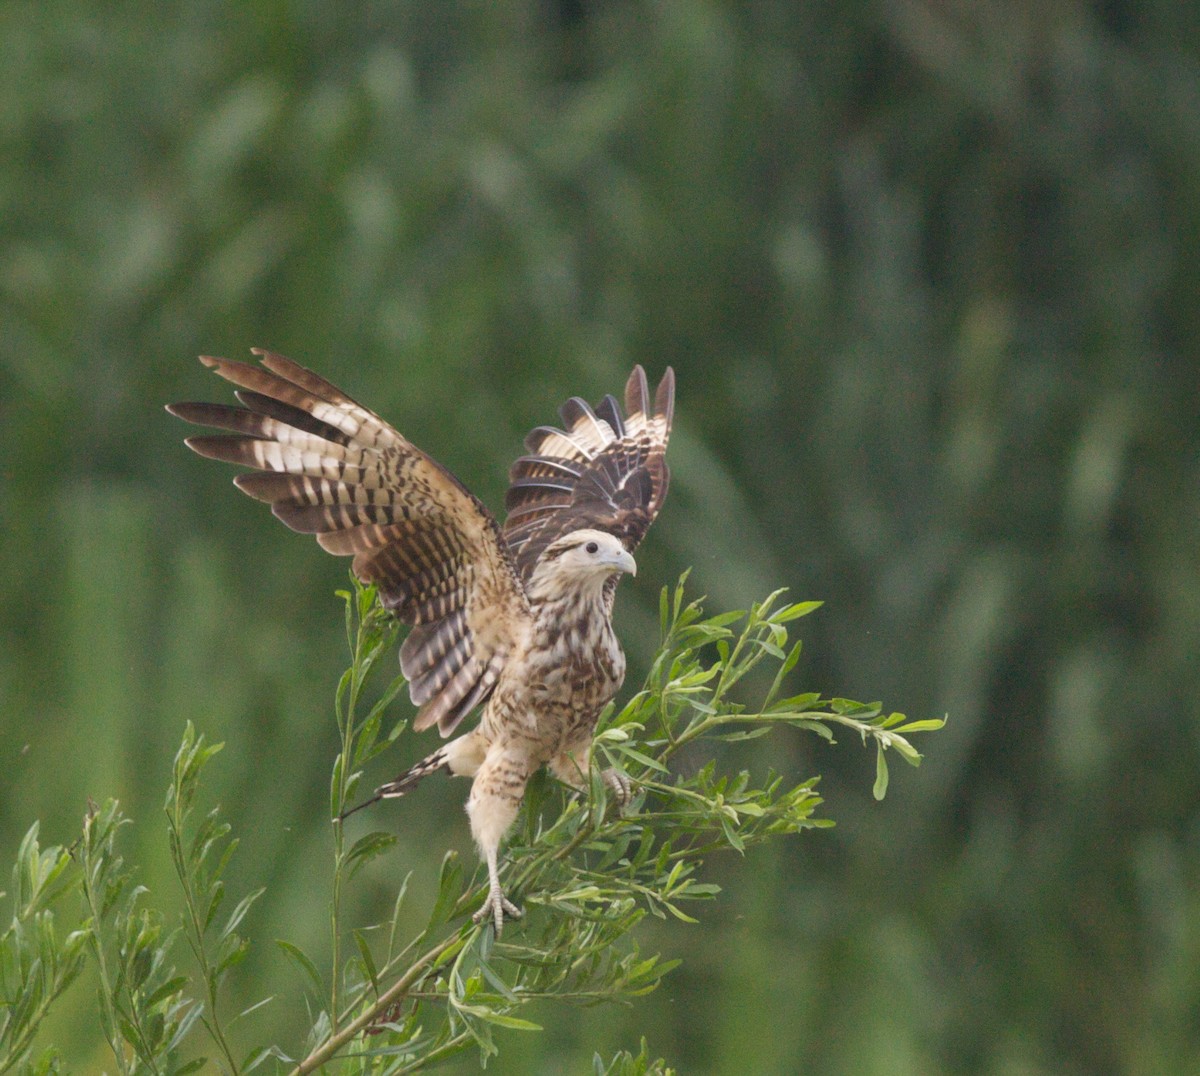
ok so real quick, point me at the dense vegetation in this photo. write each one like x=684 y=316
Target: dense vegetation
x=927 y=275
x=390 y=1002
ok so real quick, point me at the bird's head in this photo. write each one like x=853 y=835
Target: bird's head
x=583 y=558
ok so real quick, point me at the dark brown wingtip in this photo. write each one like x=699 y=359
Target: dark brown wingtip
x=272 y=359
x=246 y=482
x=197 y=413
x=222 y=447
x=637 y=392
x=212 y=447
x=278 y=364
x=664 y=396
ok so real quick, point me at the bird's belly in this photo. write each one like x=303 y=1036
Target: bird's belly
x=553 y=708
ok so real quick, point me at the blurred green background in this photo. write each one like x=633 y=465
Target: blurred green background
x=928 y=273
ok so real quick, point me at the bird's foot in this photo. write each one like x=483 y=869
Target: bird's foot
x=497 y=906
x=619 y=785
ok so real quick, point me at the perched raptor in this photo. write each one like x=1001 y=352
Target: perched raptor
x=516 y=619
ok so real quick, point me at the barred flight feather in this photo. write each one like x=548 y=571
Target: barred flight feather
x=554 y=442
x=330 y=467
x=606 y=471
x=610 y=411
x=586 y=429
x=293 y=416
x=547 y=466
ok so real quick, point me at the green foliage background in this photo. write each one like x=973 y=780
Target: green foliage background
x=927 y=273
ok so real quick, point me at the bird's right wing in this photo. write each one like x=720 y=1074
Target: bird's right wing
x=330 y=467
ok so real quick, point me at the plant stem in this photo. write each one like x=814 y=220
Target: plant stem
x=107 y=992
x=385 y=1001
x=176 y=821
x=346 y=728
x=335 y=907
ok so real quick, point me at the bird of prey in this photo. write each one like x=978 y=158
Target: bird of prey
x=514 y=618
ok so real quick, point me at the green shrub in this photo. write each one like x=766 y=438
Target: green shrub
x=586 y=873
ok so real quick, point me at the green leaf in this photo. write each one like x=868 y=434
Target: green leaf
x=881 y=774
x=336 y=802
x=638 y=756
x=926 y=725
x=815 y=726
x=239 y=912
x=170 y=987
x=260 y=1054
x=367 y=848
x=449 y=888
x=794 y=612
x=850 y=708
x=906 y=750
x=678 y=913
x=301 y=960
x=799 y=703
x=230 y=953
x=216 y=897
x=364 y=951
x=513 y=1023
x=723 y=619
x=749 y=734
x=731 y=835
x=260 y=1003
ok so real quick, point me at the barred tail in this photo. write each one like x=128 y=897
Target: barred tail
x=410 y=778
x=407 y=781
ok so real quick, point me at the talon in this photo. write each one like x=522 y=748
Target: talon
x=497 y=905
x=619 y=785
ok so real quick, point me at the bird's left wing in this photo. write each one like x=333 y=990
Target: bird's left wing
x=605 y=470
x=332 y=468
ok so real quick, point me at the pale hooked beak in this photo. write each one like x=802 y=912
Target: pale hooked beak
x=623 y=561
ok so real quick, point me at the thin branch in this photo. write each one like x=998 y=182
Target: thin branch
x=371 y=1015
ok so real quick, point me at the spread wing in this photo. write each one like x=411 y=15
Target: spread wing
x=603 y=470
x=329 y=467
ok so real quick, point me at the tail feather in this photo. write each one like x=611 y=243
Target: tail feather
x=407 y=781
x=410 y=778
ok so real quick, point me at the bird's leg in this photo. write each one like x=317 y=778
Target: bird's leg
x=492 y=806
x=496 y=904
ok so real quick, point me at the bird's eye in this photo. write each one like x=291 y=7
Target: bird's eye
x=592 y=547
